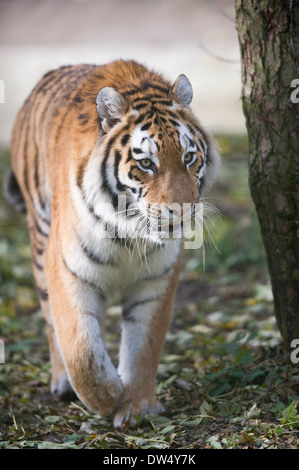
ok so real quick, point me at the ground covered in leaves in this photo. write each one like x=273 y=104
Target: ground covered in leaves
x=224 y=378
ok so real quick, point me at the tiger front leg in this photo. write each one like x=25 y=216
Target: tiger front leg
x=76 y=310
x=144 y=328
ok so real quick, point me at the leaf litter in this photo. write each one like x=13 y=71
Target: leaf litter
x=224 y=378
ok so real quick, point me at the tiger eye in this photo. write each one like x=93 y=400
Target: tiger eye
x=146 y=162
x=188 y=157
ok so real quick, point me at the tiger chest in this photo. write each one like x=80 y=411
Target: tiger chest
x=121 y=266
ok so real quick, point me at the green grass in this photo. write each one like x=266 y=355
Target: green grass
x=224 y=378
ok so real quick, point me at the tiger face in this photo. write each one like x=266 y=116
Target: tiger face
x=152 y=162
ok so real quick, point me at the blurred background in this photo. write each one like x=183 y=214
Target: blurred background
x=194 y=37
x=224 y=287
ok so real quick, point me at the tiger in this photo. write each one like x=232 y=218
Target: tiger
x=87 y=136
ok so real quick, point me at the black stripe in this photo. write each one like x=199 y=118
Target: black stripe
x=146 y=126
x=139 y=193
x=49 y=73
x=104 y=164
x=39 y=251
x=131 y=176
x=36 y=178
x=43 y=294
x=94 y=257
x=203 y=134
x=126 y=312
x=39 y=229
x=97 y=217
x=105 y=181
x=89 y=207
x=175 y=123
x=130 y=156
x=141 y=118
x=90 y=254
x=140 y=106
x=159 y=111
x=191 y=129
x=162 y=101
x=131 y=91
x=81 y=170
x=119 y=185
x=200 y=147
x=85 y=281
x=83 y=119
x=125 y=139
x=162 y=119
x=140 y=100
x=161 y=275
x=137 y=150
x=77 y=98
x=37 y=265
x=201 y=131
x=80 y=176
x=191 y=142
x=146 y=84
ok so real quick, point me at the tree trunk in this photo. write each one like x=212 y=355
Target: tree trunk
x=268 y=33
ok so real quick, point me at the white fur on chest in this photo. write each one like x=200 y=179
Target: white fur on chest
x=125 y=265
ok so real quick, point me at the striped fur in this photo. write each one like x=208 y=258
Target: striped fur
x=85 y=136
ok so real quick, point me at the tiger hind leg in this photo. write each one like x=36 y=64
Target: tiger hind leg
x=60 y=384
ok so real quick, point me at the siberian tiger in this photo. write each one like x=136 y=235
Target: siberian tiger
x=85 y=136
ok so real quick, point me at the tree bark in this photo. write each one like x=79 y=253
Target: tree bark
x=268 y=32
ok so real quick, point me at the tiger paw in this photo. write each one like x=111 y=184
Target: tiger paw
x=124 y=416
x=63 y=389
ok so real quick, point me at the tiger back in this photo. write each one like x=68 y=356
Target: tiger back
x=108 y=162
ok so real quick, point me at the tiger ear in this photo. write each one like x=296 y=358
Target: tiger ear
x=110 y=106
x=182 y=89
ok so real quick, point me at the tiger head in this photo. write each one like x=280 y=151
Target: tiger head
x=156 y=160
